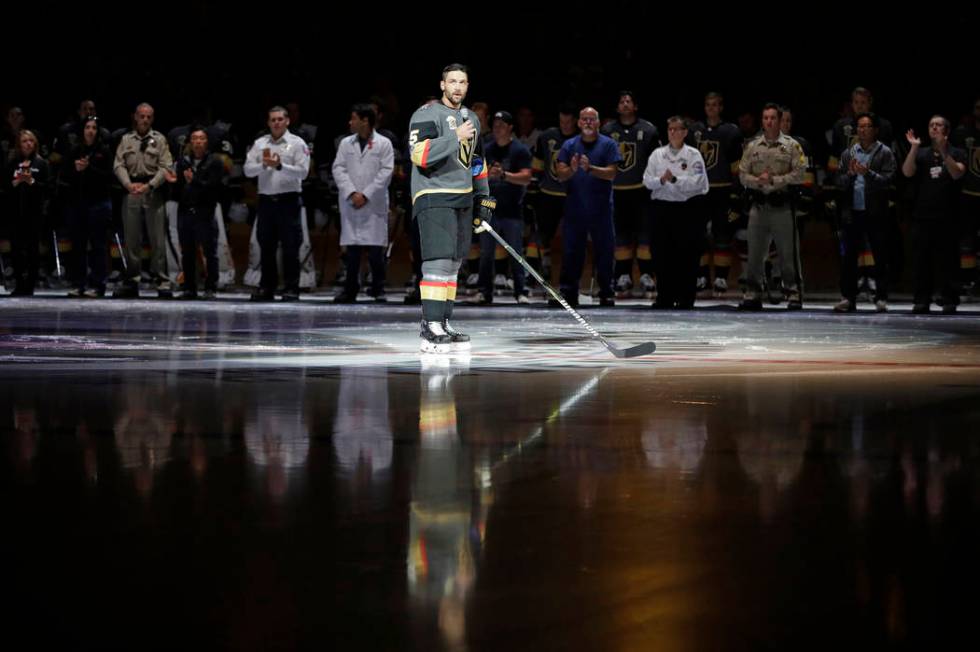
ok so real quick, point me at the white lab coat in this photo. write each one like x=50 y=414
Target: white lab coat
x=368 y=172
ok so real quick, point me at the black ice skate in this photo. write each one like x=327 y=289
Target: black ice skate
x=460 y=341
x=434 y=338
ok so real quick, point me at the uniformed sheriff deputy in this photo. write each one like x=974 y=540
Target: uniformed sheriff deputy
x=770 y=164
x=142 y=163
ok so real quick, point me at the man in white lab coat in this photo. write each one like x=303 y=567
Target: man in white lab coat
x=362 y=171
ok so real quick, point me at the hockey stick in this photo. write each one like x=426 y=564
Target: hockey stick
x=122 y=254
x=57 y=255
x=632 y=352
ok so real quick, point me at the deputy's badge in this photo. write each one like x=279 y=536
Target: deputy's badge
x=627 y=151
x=451 y=119
x=709 y=151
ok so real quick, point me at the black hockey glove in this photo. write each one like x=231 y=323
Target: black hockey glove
x=483 y=207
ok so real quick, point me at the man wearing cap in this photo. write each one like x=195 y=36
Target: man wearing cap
x=587 y=164
x=508 y=173
x=142 y=162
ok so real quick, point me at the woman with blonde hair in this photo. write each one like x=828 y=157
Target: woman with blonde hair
x=27 y=182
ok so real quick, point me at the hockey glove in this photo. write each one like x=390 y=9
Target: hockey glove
x=483 y=207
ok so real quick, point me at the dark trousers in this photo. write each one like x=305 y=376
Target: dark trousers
x=548 y=211
x=279 y=223
x=935 y=252
x=88 y=222
x=512 y=231
x=632 y=220
x=678 y=236
x=853 y=232
x=715 y=207
x=198 y=228
x=575 y=233
x=24 y=239
x=376 y=259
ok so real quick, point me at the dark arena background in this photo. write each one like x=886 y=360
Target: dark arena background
x=279 y=476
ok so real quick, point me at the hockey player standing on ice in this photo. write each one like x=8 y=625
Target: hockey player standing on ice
x=449 y=183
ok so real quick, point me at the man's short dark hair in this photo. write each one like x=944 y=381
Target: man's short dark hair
x=714 y=95
x=279 y=109
x=454 y=67
x=631 y=94
x=365 y=112
x=869 y=115
x=568 y=108
x=195 y=128
x=773 y=106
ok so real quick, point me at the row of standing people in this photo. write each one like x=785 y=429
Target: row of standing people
x=739 y=210
x=720 y=144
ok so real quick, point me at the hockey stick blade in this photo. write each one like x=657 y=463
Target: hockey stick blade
x=632 y=352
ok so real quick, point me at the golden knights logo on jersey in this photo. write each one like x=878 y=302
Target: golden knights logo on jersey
x=466 y=151
x=709 y=152
x=553 y=150
x=465 y=146
x=627 y=152
x=971 y=147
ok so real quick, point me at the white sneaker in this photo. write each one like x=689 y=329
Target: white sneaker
x=479 y=299
x=522 y=299
x=702 y=284
x=648 y=286
x=881 y=305
x=720 y=286
x=471 y=284
x=499 y=283
x=845 y=305
x=623 y=286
